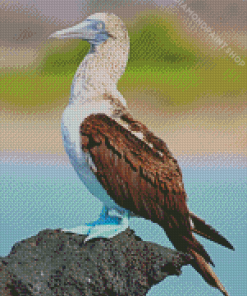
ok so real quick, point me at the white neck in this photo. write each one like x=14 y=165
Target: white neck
x=100 y=71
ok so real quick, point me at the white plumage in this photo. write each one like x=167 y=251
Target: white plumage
x=96 y=76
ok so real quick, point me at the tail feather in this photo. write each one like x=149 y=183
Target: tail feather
x=207 y=231
x=206 y=271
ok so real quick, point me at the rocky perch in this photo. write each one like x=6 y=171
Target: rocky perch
x=58 y=263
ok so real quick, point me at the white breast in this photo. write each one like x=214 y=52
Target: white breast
x=72 y=118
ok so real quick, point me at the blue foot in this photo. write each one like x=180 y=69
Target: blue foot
x=106 y=226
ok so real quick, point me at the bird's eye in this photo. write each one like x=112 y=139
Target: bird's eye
x=99 y=26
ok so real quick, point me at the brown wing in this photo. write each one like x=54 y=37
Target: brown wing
x=140 y=175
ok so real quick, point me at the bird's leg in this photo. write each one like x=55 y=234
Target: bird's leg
x=106 y=226
x=105 y=218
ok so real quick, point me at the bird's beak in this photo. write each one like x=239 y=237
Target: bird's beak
x=81 y=31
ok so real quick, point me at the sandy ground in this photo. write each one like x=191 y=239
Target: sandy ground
x=212 y=129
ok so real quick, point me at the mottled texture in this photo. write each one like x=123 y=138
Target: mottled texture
x=55 y=263
x=101 y=69
x=117 y=158
x=145 y=180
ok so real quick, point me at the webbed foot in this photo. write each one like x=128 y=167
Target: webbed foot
x=106 y=226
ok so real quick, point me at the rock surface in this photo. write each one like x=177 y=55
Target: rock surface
x=58 y=263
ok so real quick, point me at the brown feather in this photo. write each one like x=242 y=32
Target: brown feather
x=147 y=183
x=207 y=231
x=153 y=187
x=206 y=271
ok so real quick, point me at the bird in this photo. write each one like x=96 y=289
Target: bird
x=120 y=161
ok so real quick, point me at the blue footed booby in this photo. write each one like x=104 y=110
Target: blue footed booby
x=118 y=158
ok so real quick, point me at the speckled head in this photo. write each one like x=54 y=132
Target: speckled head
x=96 y=29
x=101 y=69
x=114 y=26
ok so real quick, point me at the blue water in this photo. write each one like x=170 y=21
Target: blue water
x=35 y=197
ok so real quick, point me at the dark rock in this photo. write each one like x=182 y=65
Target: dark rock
x=58 y=263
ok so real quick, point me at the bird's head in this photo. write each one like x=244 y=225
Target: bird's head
x=96 y=29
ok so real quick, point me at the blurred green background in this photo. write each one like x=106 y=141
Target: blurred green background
x=163 y=59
